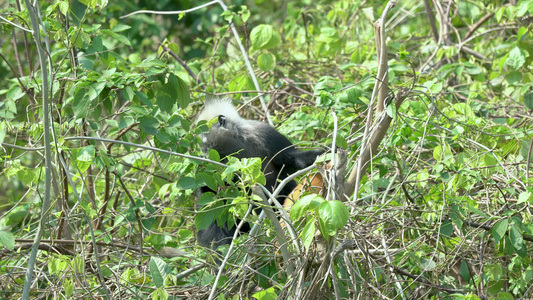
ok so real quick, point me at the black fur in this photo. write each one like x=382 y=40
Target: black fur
x=241 y=138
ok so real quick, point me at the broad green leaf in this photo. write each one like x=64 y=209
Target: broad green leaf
x=183 y=97
x=184 y=235
x=127 y=93
x=159 y=294
x=334 y=214
x=120 y=27
x=166 y=97
x=84 y=158
x=446 y=228
x=308 y=233
x=120 y=38
x=268 y=294
x=149 y=124
x=504 y=296
x=134 y=276
x=3 y=133
x=328 y=35
x=499 y=229
x=464 y=271
x=7 y=240
x=86 y=154
x=143 y=98
x=442 y=152
x=516 y=237
x=264 y=37
x=158 y=270
x=464 y=109
x=427 y=264
x=523 y=7
x=306 y=203
x=517 y=58
x=266 y=62
x=523 y=197
x=528 y=100
x=204 y=218
x=81 y=103
x=186 y=183
x=206 y=179
x=68 y=286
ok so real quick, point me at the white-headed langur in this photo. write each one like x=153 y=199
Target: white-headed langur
x=241 y=138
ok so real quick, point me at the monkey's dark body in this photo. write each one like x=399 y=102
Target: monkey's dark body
x=241 y=138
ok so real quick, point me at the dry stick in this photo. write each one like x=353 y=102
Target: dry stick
x=248 y=64
x=73 y=242
x=382 y=122
x=384 y=242
x=528 y=160
x=237 y=39
x=223 y=264
x=278 y=230
x=107 y=191
x=478 y=24
x=28 y=280
x=182 y=63
x=89 y=225
x=145 y=147
x=431 y=18
x=137 y=216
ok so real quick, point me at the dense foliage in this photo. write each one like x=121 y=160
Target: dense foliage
x=444 y=210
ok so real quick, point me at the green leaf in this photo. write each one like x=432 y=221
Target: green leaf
x=166 y=97
x=517 y=58
x=308 y=233
x=268 y=294
x=206 y=198
x=86 y=154
x=523 y=197
x=144 y=99
x=204 y=218
x=120 y=27
x=159 y=294
x=306 y=203
x=428 y=264
x=84 y=158
x=68 y=286
x=149 y=124
x=328 y=35
x=204 y=179
x=159 y=270
x=266 y=62
x=442 y=152
x=3 y=133
x=516 y=237
x=504 y=296
x=446 y=228
x=183 y=97
x=264 y=37
x=186 y=183
x=523 y=7
x=184 y=235
x=528 y=100
x=464 y=271
x=81 y=103
x=15 y=218
x=499 y=229
x=334 y=214
x=7 y=240
x=120 y=38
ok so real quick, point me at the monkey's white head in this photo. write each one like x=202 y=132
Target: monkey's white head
x=216 y=107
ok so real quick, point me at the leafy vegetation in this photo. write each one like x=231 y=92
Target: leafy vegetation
x=102 y=202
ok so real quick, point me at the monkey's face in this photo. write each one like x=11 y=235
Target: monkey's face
x=225 y=138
